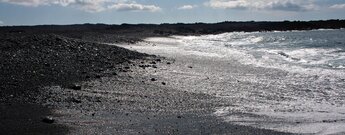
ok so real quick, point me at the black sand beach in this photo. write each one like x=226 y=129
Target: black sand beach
x=66 y=80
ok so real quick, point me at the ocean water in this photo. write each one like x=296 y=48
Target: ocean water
x=285 y=81
x=322 y=50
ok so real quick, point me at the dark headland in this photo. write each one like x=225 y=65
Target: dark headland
x=33 y=58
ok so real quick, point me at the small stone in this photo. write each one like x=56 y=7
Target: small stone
x=76 y=87
x=168 y=63
x=76 y=100
x=98 y=76
x=153 y=79
x=190 y=67
x=163 y=83
x=48 y=120
x=179 y=117
x=158 y=60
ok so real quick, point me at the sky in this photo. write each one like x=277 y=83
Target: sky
x=38 y=12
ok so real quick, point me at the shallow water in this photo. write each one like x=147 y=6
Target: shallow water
x=285 y=81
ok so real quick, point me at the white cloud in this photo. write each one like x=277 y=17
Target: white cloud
x=27 y=2
x=338 y=6
x=89 y=5
x=187 y=7
x=285 y=5
x=134 y=7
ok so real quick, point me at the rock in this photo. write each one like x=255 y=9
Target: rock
x=190 y=67
x=168 y=63
x=154 y=66
x=153 y=62
x=127 y=67
x=179 y=117
x=76 y=87
x=153 y=79
x=76 y=100
x=48 y=120
x=158 y=60
x=98 y=76
x=163 y=83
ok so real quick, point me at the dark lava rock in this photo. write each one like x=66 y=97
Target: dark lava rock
x=76 y=100
x=76 y=87
x=163 y=83
x=48 y=120
x=179 y=117
x=168 y=63
x=153 y=79
x=190 y=67
x=158 y=60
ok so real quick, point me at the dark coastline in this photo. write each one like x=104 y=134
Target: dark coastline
x=132 y=33
x=33 y=57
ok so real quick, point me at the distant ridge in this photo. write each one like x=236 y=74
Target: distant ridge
x=135 y=32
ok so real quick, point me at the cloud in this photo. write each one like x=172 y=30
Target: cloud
x=187 y=7
x=134 y=7
x=1 y=23
x=338 y=6
x=89 y=5
x=33 y=3
x=284 y=5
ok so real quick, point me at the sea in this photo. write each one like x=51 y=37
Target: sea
x=292 y=81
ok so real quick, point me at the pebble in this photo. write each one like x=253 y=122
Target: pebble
x=76 y=87
x=48 y=120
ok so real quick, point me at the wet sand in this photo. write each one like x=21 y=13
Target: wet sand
x=141 y=101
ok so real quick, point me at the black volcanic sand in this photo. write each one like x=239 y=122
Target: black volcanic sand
x=30 y=62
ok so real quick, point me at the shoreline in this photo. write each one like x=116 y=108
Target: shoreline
x=87 y=87
x=250 y=95
x=125 y=97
